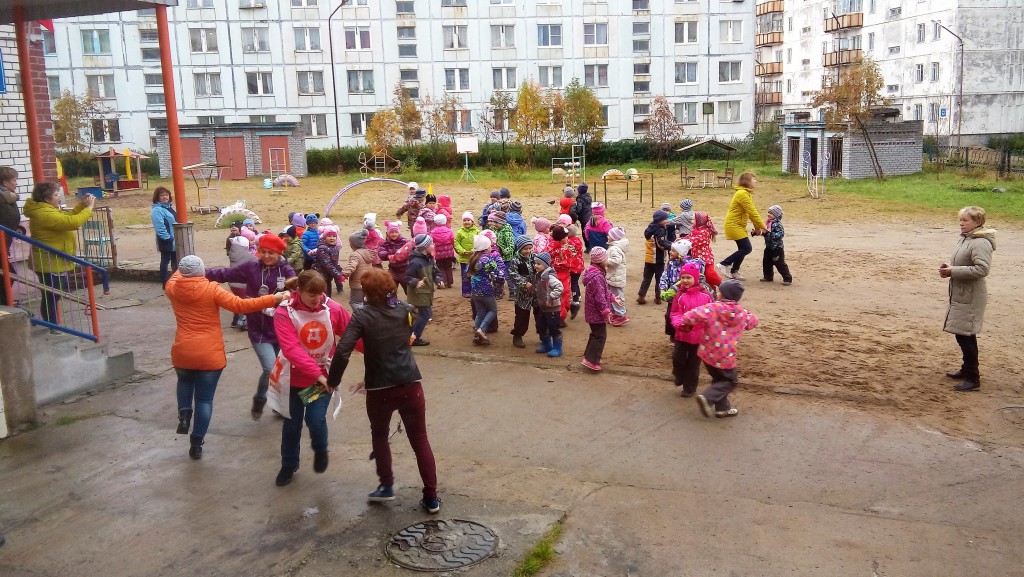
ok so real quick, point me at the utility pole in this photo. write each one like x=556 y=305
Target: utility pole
x=334 y=81
x=960 y=84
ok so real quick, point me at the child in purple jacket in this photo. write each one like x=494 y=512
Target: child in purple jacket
x=596 y=307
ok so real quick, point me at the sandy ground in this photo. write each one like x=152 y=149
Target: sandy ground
x=860 y=326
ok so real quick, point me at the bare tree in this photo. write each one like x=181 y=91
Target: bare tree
x=662 y=128
x=496 y=117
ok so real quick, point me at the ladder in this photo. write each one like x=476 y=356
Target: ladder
x=278 y=167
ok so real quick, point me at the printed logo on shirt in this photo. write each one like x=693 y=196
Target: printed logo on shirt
x=313 y=335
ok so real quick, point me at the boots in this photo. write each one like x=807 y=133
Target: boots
x=574 y=309
x=517 y=342
x=556 y=347
x=184 y=421
x=545 y=345
x=196 y=449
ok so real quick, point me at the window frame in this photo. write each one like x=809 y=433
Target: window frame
x=505 y=73
x=364 y=122
x=101 y=86
x=685 y=107
x=264 y=83
x=358 y=38
x=307 y=38
x=206 y=79
x=597 y=30
x=736 y=65
x=687 y=26
x=599 y=70
x=309 y=78
x=98 y=36
x=503 y=36
x=687 y=65
x=460 y=79
x=732 y=37
x=109 y=130
x=455 y=36
x=259 y=37
x=550 y=36
x=202 y=35
x=312 y=124
x=546 y=76
x=363 y=84
x=724 y=105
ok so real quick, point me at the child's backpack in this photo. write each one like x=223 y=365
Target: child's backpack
x=402 y=254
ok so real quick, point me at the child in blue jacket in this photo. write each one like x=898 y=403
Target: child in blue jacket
x=310 y=240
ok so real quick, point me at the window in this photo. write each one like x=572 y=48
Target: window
x=311 y=82
x=315 y=125
x=641 y=45
x=406 y=32
x=255 y=40
x=686 y=32
x=411 y=92
x=767 y=23
x=895 y=13
x=252 y=4
x=503 y=36
x=107 y=130
x=871 y=6
x=789 y=23
x=918 y=111
x=871 y=40
x=731 y=31
x=460 y=121
x=604 y=115
x=729 y=71
x=360 y=81
x=405 y=7
x=686 y=112
x=686 y=72
x=151 y=54
x=789 y=55
x=301 y=3
x=360 y=121
x=550 y=76
x=641 y=109
x=453 y=2
x=641 y=86
x=933 y=112
x=921 y=32
x=148 y=36
x=95 y=42
x=892 y=88
x=203 y=39
x=357 y=38
x=53 y=87
x=641 y=28
x=101 y=86
x=407 y=50
x=894 y=50
x=789 y=86
x=307 y=39
x=504 y=78
x=456 y=78
x=935 y=72
x=919 y=73
x=409 y=75
x=153 y=80
x=200 y=4
x=210 y=120
x=549 y=35
x=260 y=83
x=262 y=118
x=641 y=68
x=595 y=75
x=158 y=124
x=595 y=34
x=49 y=43
x=936 y=31
x=505 y=2
x=642 y=126
x=155 y=99
x=641 y=4
x=207 y=84
x=454 y=36
x=729 y=111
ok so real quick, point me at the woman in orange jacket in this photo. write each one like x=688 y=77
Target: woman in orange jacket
x=198 y=350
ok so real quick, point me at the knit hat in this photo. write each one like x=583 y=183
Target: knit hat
x=686 y=204
x=691 y=269
x=290 y=231
x=574 y=230
x=504 y=193
x=423 y=242
x=495 y=194
x=271 y=242
x=248 y=221
x=468 y=215
x=248 y=233
x=420 y=226
x=311 y=218
x=617 y=233
x=568 y=192
x=564 y=219
x=357 y=239
x=326 y=221
x=191 y=266
x=666 y=207
x=420 y=192
x=543 y=257
x=684 y=223
x=731 y=290
x=414 y=186
x=298 y=219
x=682 y=247
x=659 y=215
x=516 y=206
x=285 y=229
x=541 y=224
x=370 y=220
x=329 y=230
x=597 y=208
x=523 y=241
x=481 y=242
x=393 y=225
x=440 y=219
x=496 y=217
x=559 y=232
x=490 y=235
x=775 y=211
x=431 y=198
x=598 y=255
x=582 y=188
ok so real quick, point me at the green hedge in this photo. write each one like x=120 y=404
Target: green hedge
x=78 y=165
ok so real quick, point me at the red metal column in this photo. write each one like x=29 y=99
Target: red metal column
x=173 y=138
x=28 y=94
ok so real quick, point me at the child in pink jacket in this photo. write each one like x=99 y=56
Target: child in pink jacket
x=444 y=248
x=685 y=362
x=721 y=323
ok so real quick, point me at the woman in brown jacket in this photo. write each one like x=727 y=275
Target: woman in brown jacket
x=198 y=350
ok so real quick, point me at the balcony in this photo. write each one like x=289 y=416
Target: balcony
x=842 y=57
x=844 y=21
x=770 y=7
x=768 y=38
x=769 y=98
x=768 y=68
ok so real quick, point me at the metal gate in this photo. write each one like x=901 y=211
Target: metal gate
x=835 y=151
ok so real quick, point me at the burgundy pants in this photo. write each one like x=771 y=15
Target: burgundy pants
x=409 y=402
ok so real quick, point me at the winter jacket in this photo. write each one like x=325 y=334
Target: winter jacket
x=596 y=231
x=293 y=253
x=684 y=301
x=360 y=261
x=163 y=217
x=444 y=206
x=542 y=242
x=444 y=242
x=597 y=303
x=237 y=254
x=198 y=340
x=325 y=261
x=490 y=206
x=521 y=271
x=387 y=354
x=489 y=274
x=565 y=205
x=421 y=267
x=548 y=291
x=506 y=242
x=310 y=241
x=428 y=218
x=576 y=263
x=563 y=255
x=373 y=239
x=305 y=371
x=411 y=208
x=741 y=208
x=700 y=244
x=582 y=209
x=515 y=220
x=773 y=238
x=658 y=241
x=616 y=263
x=464 y=243
x=10 y=216
x=56 y=229
x=256 y=276
x=968 y=294
x=721 y=323
x=388 y=248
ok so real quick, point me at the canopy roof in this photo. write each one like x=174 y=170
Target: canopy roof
x=120 y=154
x=49 y=9
x=710 y=141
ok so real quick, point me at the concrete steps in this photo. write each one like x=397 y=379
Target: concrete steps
x=63 y=365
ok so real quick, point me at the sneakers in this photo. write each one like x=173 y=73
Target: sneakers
x=284 y=476
x=705 y=406
x=590 y=365
x=787 y=282
x=736 y=276
x=728 y=413
x=517 y=342
x=320 y=461
x=483 y=338
x=431 y=505
x=722 y=271
x=476 y=338
x=382 y=494
x=258 y=403
x=420 y=342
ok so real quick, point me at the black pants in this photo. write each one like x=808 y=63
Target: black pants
x=574 y=281
x=548 y=324
x=595 y=344
x=734 y=260
x=686 y=366
x=522 y=321
x=969 y=348
x=652 y=271
x=723 y=381
x=775 y=258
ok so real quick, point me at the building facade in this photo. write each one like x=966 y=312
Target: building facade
x=270 y=61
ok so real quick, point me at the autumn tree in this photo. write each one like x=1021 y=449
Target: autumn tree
x=410 y=121
x=850 y=98
x=582 y=114
x=384 y=130
x=73 y=117
x=531 y=119
x=554 y=102
x=663 y=130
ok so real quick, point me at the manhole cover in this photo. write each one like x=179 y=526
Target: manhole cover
x=441 y=545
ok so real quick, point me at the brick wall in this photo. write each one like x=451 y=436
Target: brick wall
x=898 y=146
x=250 y=134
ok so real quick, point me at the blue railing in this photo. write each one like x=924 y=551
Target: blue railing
x=67 y=300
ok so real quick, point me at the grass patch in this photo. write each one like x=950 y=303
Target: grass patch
x=72 y=419
x=541 y=554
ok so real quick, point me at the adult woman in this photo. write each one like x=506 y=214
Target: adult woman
x=741 y=209
x=198 y=350
x=10 y=216
x=55 y=228
x=966 y=272
x=392 y=382
x=163 y=217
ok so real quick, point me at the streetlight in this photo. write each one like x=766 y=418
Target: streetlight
x=960 y=88
x=334 y=81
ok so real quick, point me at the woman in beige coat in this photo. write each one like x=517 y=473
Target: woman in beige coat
x=966 y=272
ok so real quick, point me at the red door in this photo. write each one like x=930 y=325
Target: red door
x=231 y=152
x=268 y=142
x=190 y=152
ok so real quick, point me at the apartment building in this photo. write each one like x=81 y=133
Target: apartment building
x=266 y=61
x=916 y=44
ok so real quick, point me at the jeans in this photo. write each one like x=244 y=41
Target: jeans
x=315 y=416
x=198 y=386
x=548 y=325
x=595 y=344
x=50 y=302
x=408 y=400
x=775 y=257
x=267 y=354
x=424 y=314
x=167 y=259
x=969 y=349
x=486 y=310
x=734 y=260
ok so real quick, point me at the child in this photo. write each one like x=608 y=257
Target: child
x=774 y=253
x=293 y=252
x=444 y=206
x=721 y=323
x=520 y=272
x=547 y=290
x=684 y=221
x=499 y=282
x=668 y=209
x=484 y=274
x=361 y=260
x=391 y=245
x=598 y=307
x=658 y=241
x=685 y=363
x=251 y=237
x=427 y=213
x=298 y=220
x=514 y=218
x=421 y=277
x=307 y=325
x=575 y=268
x=667 y=283
x=444 y=248
x=567 y=202
x=541 y=240
x=615 y=272
x=326 y=257
x=596 y=231
x=373 y=237
x=464 y=248
x=582 y=210
x=412 y=205
x=492 y=204
x=561 y=259
x=237 y=248
x=505 y=240
x=419 y=226
x=310 y=239
x=701 y=237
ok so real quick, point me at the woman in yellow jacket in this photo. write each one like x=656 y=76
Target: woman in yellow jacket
x=741 y=209
x=53 y=227
x=198 y=350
